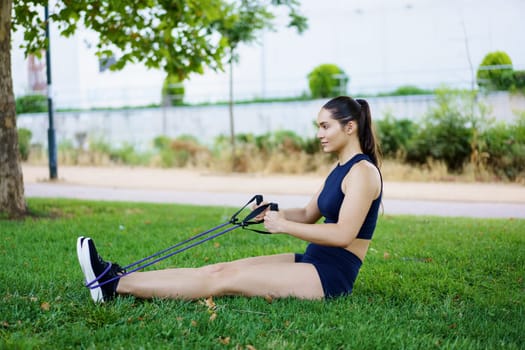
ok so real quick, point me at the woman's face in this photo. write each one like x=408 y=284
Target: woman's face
x=330 y=133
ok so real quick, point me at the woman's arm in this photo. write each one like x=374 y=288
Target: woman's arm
x=361 y=186
x=307 y=215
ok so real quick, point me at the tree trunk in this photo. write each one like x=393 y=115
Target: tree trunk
x=12 y=200
x=232 y=120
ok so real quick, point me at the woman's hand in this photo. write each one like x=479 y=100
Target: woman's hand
x=260 y=217
x=273 y=221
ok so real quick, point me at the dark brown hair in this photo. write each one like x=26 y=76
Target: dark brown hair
x=345 y=109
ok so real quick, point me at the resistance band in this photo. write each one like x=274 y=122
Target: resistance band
x=234 y=221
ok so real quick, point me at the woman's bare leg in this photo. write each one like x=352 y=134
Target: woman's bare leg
x=274 y=275
x=262 y=259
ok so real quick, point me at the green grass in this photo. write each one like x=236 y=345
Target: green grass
x=428 y=282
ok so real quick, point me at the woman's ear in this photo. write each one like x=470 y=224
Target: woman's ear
x=350 y=127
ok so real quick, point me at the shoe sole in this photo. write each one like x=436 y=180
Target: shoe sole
x=80 y=241
x=85 y=263
x=79 y=252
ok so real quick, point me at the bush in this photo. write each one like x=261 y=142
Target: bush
x=327 y=80
x=495 y=78
x=518 y=81
x=312 y=145
x=127 y=154
x=446 y=132
x=394 y=135
x=282 y=141
x=24 y=142
x=31 y=104
x=279 y=151
x=287 y=142
x=161 y=143
x=223 y=142
x=407 y=90
x=187 y=150
x=170 y=152
x=172 y=91
x=505 y=146
x=99 y=146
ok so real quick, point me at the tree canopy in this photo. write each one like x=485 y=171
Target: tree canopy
x=177 y=36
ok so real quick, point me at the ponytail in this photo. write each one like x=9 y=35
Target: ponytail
x=367 y=138
x=345 y=109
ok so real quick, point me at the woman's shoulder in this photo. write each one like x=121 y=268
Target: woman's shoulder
x=365 y=174
x=364 y=168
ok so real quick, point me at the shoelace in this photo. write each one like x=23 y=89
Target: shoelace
x=116 y=269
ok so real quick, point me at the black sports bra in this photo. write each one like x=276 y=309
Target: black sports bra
x=331 y=198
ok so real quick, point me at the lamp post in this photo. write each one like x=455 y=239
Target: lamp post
x=51 y=139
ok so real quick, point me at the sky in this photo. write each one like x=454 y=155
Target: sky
x=380 y=44
x=384 y=44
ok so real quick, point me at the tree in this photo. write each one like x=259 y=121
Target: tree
x=495 y=71
x=179 y=36
x=172 y=91
x=12 y=199
x=327 y=80
x=247 y=19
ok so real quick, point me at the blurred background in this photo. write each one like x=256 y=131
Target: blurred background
x=445 y=81
x=380 y=45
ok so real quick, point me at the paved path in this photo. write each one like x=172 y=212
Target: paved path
x=191 y=187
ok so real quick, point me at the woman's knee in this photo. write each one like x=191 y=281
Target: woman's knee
x=221 y=276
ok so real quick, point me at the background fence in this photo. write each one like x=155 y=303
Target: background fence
x=140 y=126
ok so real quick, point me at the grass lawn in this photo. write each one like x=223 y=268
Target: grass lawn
x=427 y=282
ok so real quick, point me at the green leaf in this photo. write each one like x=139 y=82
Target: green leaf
x=181 y=36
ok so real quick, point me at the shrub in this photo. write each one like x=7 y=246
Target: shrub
x=187 y=150
x=287 y=142
x=505 y=146
x=418 y=148
x=495 y=78
x=279 y=151
x=327 y=80
x=407 y=90
x=264 y=142
x=161 y=143
x=127 y=154
x=283 y=141
x=518 y=81
x=24 y=142
x=446 y=132
x=312 y=145
x=223 y=142
x=172 y=91
x=31 y=104
x=66 y=152
x=99 y=146
x=394 y=135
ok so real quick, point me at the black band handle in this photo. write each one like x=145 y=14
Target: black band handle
x=253 y=214
x=274 y=207
x=257 y=198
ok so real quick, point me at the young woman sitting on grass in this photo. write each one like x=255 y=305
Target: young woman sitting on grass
x=349 y=201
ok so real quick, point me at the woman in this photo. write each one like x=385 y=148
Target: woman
x=349 y=200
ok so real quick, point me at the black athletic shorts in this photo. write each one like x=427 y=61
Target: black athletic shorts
x=337 y=268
